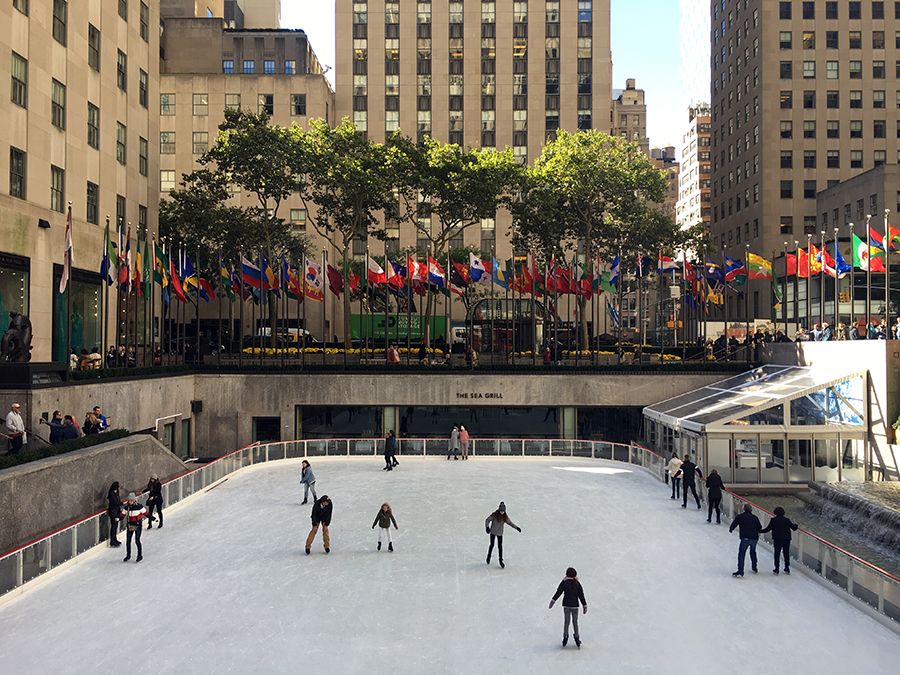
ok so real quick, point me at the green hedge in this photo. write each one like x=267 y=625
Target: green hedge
x=106 y=373
x=34 y=453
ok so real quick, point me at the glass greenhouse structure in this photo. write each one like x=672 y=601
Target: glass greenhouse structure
x=770 y=425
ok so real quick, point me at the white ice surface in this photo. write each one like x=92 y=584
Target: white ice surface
x=225 y=587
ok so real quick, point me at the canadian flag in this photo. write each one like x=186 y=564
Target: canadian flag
x=374 y=273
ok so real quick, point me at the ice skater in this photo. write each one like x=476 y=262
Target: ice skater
x=134 y=514
x=714 y=487
x=463 y=442
x=321 y=515
x=688 y=472
x=675 y=474
x=749 y=530
x=572 y=592
x=780 y=526
x=114 y=513
x=308 y=481
x=384 y=519
x=390 y=450
x=493 y=525
x=453 y=444
x=154 y=500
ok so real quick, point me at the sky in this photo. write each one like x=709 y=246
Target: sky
x=644 y=46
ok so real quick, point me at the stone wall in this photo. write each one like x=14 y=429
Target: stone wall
x=40 y=497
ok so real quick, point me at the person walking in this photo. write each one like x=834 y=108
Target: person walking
x=91 y=424
x=780 y=526
x=572 y=593
x=114 y=513
x=748 y=528
x=321 y=515
x=154 y=501
x=675 y=474
x=383 y=519
x=493 y=525
x=15 y=429
x=714 y=486
x=134 y=514
x=453 y=444
x=308 y=481
x=463 y=442
x=688 y=472
x=390 y=451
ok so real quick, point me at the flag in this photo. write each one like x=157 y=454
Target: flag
x=582 y=281
x=613 y=314
x=236 y=286
x=109 y=254
x=690 y=271
x=205 y=289
x=459 y=274
x=176 y=282
x=790 y=264
x=267 y=276
x=436 y=273
x=760 y=268
x=614 y=271
x=188 y=273
x=501 y=277
x=815 y=264
x=251 y=274
x=862 y=259
x=563 y=279
x=374 y=273
x=394 y=274
x=136 y=285
x=876 y=239
x=836 y=268
x=735 y=271
x=120 y=261
x=714 y=272
x=125 y=272
x=225 y=280
x=145 y=274
x=665 y=264
x=417 y=271
x=353 y=280
x=67 y=255
x=335 y=280
x=643 y=264
x=476 y=268
x=161 y=270
x=315 y=284
x=290 y=282
x=803 y=268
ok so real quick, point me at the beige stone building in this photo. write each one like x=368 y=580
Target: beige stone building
x=80 y=121
x=695 y=179
x=628 y=117
x=804 y=95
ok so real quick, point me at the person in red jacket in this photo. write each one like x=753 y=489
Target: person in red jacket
x=572 y=592
x=134 y=514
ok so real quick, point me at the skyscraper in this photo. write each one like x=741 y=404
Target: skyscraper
x=694 y=47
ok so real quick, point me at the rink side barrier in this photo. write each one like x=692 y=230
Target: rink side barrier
x=869 y=588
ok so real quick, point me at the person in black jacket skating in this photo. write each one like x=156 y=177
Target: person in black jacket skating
x=114 y=512
x=714 y=487
x=780 y=526
x=749 y=530
x=134 y=514
x=321 y=515
x=154 y=500
x=688 y=472
x=572 y=592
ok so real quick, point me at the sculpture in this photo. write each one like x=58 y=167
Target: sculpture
x=16 y=342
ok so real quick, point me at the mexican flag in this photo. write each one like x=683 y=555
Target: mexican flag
x=861 y=256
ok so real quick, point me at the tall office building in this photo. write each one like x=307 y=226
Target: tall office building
x=484 y=74
x=79 y=124
x=628 y=118
x=695 y=181
x=694 y=48
x=804 y=96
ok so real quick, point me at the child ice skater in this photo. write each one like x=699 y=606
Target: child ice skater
x=570 y=589
x=493 y=525
x=384 y=519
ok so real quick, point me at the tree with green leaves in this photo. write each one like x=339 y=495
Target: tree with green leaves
x=595 y=192
x=345 y=183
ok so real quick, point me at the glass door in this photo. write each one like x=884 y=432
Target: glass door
x=826 y=467
x=772 y=464
x=746 y=458
x=718 y=457
x=800 y=460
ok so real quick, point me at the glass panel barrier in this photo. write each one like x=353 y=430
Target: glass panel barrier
x=276 y=451
x=536 y=448
x=366 y=446
x=316 y=448
x=483 y=446
x=259 y=454
x=620 y=453
x=61 y=546
x=603 y=451
x=890 y=600
x=9 y=572
x=35 y=560
x=87 y=533
x=581 y=448
x=827 y=459
x=866 y=583
x=511 y=448
x=436 y=446
x=416 y=446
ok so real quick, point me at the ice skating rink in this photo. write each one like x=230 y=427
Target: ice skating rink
x=225 y=587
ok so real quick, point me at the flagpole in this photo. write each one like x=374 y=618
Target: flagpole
x=887 y=273
x=67 y=263
x=241 y=319
x=853 y=255
x=105 y=341
x=387 y=344
x=797 y=289
x=808 y=280
x=409 y=292
x=837 y=304
x=620 y=283
x=684 y=307
x=868 y=276
x=555 y=310
x=322 y=274
x=305 y=303
x=512 y=309
x=747 y=302
x=152 y=282
x=784 y=293
x=493 y=309
x=728 y=354
x=775 y=281
x=822 y=279
x=448 y=306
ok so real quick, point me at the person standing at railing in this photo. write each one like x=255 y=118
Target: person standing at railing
x=383 y=519
x=114 y=513
x=154 y=501
x=15 y=429
x=463 y=442
x=714 y=487
x=748 y=526
x=493 y=525
x=675 y=474
x=134 y=514
x=571 y=591
x=688 y=472
x=780 y=526
x=321 y=515
x=308 y=480
x=453 y=444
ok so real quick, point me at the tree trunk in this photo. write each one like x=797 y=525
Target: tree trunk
x=582 y=314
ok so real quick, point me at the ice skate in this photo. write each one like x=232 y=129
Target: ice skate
x=565 y=640
x=379 y=545
x=139 y=558
x=578 y=643
x=390 y=546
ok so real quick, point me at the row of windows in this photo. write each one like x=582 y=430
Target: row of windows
x=249 y=66
x=832 y=41
x=488 y=12
x=200 y=104
x=583 y=49
x=832 y=70
x=18 y=184
x=61 y=18
x=832 y=99
x=730 y=235
x=854 y=10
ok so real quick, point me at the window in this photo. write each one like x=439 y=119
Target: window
x=167 y=142
x=201 y=105
x=831 y=70
x=166 y=180
x=856 y=99
x=58 y=104
x=878 y=98
x=878 y=70
x=120 y=142
x=831 y=39
x=269 y=67
x=787 y=159
x=123 y=9
x=856 y=160
x=787 y=129
x=877 y=39
x=167 y=104
x=784 y=10
x=809 y=129
x=787 y=100
x=266 y=103
x=809 y=10
x=60 y=17
x=142 y=220
x=233 y=101
x=120 y=209
x=880 y=156
x=809 y=159
x=879 y=129
x=785 y=70
x=809 y=70
x=92 y=203
x=200 y=142
x=785 y=39
x=290 y=67
x=16 y=173
x=248 y=65
x=142 y=156
x=809 y=40
x=57 y=189
x=787 y=189
x=787 y=224
x=855 y=10
x=856 y=129
x=391 y=121
x=856 y=70
x=833 y=129
x=19 y=94
x=855 y=39
x=228 y=66
x=831 y=10
x=877 y=10
x=122 y=71
x=93 y=126
x=834 y=159
x=298 y=220
x=809 y=99
x=142 y=88
x=145 y=22
x=298 y=105
x=832 y=99
x=93 y=47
